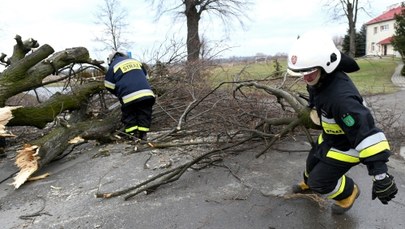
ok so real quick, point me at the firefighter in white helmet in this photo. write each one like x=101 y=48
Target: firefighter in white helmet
x=349 y=135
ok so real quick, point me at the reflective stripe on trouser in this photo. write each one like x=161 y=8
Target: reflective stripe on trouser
x=137 y=116
x=328 y=178
x=144 y=129
x=323 y=181
x=133 y=128
x=343 y=189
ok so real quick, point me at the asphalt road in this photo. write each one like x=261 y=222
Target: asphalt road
x=245 y=192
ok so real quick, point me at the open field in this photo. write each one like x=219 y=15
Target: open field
x=374 y=76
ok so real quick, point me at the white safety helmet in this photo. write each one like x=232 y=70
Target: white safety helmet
x=113 y=54
x=314 y=49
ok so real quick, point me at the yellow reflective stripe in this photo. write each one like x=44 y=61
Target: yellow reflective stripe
x=350 y=156
x=339 y=188
x=145 y=129
x=306 y=173
x=127 y=65
x=320 y=139
x=136 y=95
x=341 y=156
x=374 y=149
x=128 y=130
x=332 y=128
x=371 y=140
x=108 y=84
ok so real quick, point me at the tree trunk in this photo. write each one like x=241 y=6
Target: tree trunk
x=193 y=37
x=352 y=18
x=28 y=73
x=26 y=70
x=46 y=112
x=42 y=151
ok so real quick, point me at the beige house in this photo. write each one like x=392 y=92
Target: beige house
x=380 y=31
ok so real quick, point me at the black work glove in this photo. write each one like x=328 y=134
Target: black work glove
x=384 y=189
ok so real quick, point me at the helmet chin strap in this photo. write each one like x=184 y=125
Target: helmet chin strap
x=314 y=79
x=322 y=79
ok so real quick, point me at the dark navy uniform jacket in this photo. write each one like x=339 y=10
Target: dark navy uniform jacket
x=349 y=133
x=127 y=79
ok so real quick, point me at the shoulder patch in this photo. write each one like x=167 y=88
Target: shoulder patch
x=348 y=120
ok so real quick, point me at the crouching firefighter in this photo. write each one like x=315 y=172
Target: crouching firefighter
x=127 y=79
x=349 y=135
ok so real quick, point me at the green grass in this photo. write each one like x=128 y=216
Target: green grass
x=374 y=76
x=245 y=71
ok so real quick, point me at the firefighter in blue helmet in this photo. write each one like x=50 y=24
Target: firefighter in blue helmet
x=127 y=79
x=349 y=135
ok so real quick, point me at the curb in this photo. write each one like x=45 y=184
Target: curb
x=397 y=79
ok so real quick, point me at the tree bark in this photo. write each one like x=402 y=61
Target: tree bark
x=27 y=73
x=193 y=37
x=352 y=18
x=26 y=70
x=42 y=151
x=46 y=112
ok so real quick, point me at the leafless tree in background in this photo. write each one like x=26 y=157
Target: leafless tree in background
x=226 y=10
x=113 y=19
x=349 y=9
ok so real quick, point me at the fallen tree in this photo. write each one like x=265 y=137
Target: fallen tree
x=301 y=116
x=232 y=113
x=26 y=70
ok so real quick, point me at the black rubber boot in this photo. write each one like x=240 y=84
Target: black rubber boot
x=142 y=135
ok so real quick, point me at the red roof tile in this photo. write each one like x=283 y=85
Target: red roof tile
x=386 y=16
x=387 y=40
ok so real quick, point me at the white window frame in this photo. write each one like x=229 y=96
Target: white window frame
x=384 y=27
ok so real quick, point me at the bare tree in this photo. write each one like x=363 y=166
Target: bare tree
x=192 y=10
x=113 y=19
x=348 y=9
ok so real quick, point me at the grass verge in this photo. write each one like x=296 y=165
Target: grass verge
x=374 y=76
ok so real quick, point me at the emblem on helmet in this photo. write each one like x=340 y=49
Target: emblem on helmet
x=293 y=59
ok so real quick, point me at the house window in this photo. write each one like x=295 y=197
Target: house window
x=384 y=27
x=372 y=46
x=375 y=30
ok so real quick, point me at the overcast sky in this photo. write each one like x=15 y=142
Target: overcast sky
x=273 y=26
